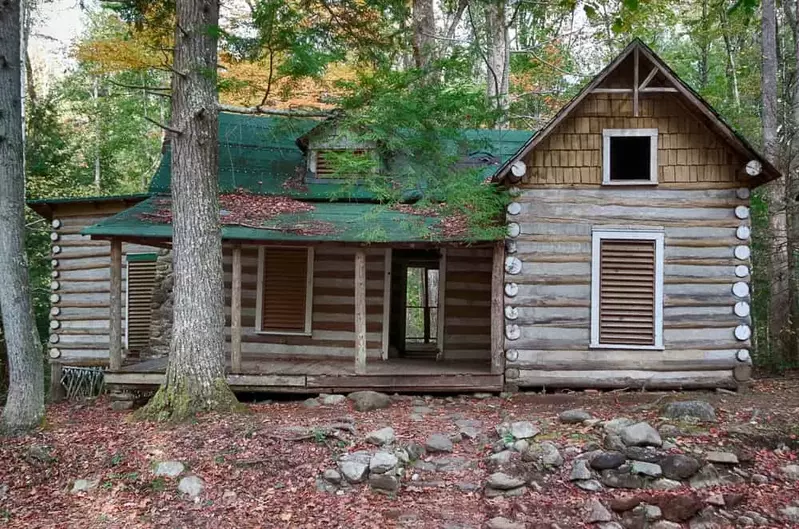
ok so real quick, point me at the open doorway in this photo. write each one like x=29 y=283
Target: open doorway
x=414 y=326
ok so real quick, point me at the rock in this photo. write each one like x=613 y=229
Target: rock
x=790 y=513
x=422 y=410
x=491 y=492
x=501 y=458
x=669 y=430
x=501 y=522
x=192 y=486
x=615 y=426
x=613 y=442
x=39 y=454
x=606 y=460
x=707 y=521
x=725 y=458
x=354 y=466
x=369 y=400
x=84 y=485
x=170 y=469
x=591 y=485
x=625 y=503
x=424 y=466
x=122 y=405
x=451 y=463
x=524 y=430
x=598 y=512
x=332 y=476
x=609 y=525
x=647 y=469
x=470 y=432
x=621 y=478
x=591 y=446
x=734 y=499
x=696 y=409
x=634 y=519
x=667 y=445
x=550 y=456
x=680 y=508
x=3 y=491
x=384 y=482
x=402 y=455
x=415 y=451
x=521 y=446
x=333 y=400
x=665 y=484
x=574 y=416
x=679 y=466
x=759 y=479
x=580 y=471
x=502 y=481
x=323 y=486
x=646 y=454
x=652 y=512
x=311 y=403
x=716 y=500
x=665 y=524
x=744 y=521
x=438 y=443
x=790 y=472
x=640 y=434
x=382 y=462
x=415 y=417
x=757 y=517
x=381 y=437
x=709 y=476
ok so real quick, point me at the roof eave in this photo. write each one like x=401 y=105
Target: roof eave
x=45 y=207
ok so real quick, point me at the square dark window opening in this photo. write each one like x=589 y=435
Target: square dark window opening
x=630 y=158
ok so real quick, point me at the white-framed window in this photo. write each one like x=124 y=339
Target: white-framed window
x=627 y=288
x=322 y=163
x=140 y=271
x=630 y=156
x=285 y=290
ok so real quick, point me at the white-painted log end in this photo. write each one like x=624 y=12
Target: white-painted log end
x=743 y=332
x=742 y=212
x=740 y=289
x=743 y=193
x=514 y=208
x=743 y=356
x=55 y=311
x=511 y=313
x=743 y=233
x=742 y=252
x=512 y=373
x=511 y=289
x=54 y=263
x=741 y=271
x=56 y=223
x=513 y=332
x=511 y=355
x=741 y=309
x=54 y=353
x=55 y=285
x=55 y=298
x=753 y=167
x=518 y=168
x=54 y=338
x=513 y=265
x=56 y=249
x=514 y=230
x=510 y=246
x=54 y=324
x=54 y=236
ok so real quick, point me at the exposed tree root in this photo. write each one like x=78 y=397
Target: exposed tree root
x=177 y=402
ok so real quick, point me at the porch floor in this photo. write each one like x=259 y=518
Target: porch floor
x=318 y=375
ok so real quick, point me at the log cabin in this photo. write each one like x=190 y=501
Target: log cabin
x=626 y=262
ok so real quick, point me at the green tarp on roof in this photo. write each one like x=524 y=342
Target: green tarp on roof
x=325 y=221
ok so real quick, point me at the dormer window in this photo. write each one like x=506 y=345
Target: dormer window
x=334 y=164
x=629 y=156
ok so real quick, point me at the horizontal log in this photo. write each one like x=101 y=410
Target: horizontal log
x=598 y=195
x=409 y=382
x=77 y=355
x=623 y=359
x=278 y=349
x=609 y=379
x=621 y=214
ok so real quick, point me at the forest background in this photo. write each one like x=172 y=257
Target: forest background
x=426 y=63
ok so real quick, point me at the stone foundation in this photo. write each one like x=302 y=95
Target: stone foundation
x=161 y=318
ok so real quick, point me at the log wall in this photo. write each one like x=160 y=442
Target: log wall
x=80 y=291
x=467 y=312
x=549 y=323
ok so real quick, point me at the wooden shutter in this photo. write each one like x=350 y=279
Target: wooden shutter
x=140 y=285
x=324 y=164
x=627 y=292
x=284 y=291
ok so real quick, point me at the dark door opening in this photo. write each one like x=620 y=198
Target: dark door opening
x=414 y=298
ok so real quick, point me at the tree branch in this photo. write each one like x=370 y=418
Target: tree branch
x=165 y=127
x=275 y=111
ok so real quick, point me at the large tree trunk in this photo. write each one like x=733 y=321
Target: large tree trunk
x=195 y=377
x=424 y=30
x=791 y=339
x=778 y=256
x=498 y=60
x=25 y=404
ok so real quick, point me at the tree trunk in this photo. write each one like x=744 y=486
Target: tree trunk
x=498 y=60
x=424 y=30
x=733 y=92
x=791 y=339
x=195 y=376
x=24 y=407
x=778 y=256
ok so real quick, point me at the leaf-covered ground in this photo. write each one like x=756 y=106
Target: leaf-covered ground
x=254 y=477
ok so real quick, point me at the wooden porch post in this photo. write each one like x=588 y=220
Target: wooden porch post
x=115 y=330
x=360 y=311
x=442 y=297
x=497 y=307
x=235 y=312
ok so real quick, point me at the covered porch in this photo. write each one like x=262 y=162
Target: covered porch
x=321 y=360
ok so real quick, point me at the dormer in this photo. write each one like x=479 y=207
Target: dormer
x=334 y=154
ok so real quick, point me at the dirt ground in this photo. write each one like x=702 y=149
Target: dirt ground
x=255 y=477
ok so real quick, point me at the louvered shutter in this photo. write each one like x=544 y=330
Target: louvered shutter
x=325 y=167
x=140 y=285
x=284 y=290
x=627 y=292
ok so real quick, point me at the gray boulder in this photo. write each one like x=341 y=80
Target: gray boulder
x=606 y=460
x=574 y=416
x=679 y=466
x=647 y=469
x=591 y=485
x=438 y=443
x=170 y=469
x=615 y=426
x=311 y=403
x=550 y=455
x=790 y=513
x=192 y=486
x=332 y=476
x=665 y=484
x=725 y=458
x=84 y=485
x=382 y=462
x=354 y=466
x=647 y=454
x=502 y=481
x=501 y=522
x=381 y=437
x=694 y=409
x=613 y=442
x=369 y=400
x=640 y=434
x=384 y=482
x=333 y=400
x=598 y=512
x=524 y=430
x=621 y=478
x=580 y=471
x=790 y=472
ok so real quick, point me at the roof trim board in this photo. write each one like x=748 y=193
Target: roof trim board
x=735 y=140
